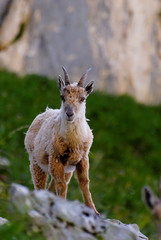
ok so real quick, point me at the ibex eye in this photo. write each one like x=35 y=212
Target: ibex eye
x=82 y=99
x=62 y=98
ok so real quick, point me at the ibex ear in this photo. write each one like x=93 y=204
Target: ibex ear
x=149 y=197
x=61 y=83
x=89 y=87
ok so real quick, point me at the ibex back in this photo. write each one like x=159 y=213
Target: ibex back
x=58 y=141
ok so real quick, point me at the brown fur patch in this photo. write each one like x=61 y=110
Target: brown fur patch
x=45 y=159
x=39 y=176
x=70 y=152
x=73 y=93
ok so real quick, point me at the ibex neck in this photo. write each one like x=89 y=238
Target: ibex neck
x=75 y=129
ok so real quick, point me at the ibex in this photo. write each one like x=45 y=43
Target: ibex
x=154 y=204
x=58 y=141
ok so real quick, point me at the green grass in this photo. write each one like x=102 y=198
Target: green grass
x=125 y=154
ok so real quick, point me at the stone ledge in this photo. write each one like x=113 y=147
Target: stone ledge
x=66 y=220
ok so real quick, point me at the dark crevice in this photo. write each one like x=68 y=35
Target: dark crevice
x=70 y=224
x=20 y=32
x=5 y=11
x=85 y=230
x=59 y=219
x=52 y=203
x=86 y=214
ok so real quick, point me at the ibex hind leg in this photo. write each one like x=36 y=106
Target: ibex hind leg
x=39 y=177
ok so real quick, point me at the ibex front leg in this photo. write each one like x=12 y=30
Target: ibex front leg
x=58 y=175
x=83 y=179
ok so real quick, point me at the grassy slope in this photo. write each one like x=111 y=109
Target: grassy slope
x=124 y=157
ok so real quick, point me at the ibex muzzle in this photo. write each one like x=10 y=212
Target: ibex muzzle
x=70 y=113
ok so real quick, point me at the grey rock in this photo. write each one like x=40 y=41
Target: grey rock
x=21 y=198
x=4 y=162
x=4 y=4
x=58 y=35
x=3 y=221
x=61 y=219
x=15 y=12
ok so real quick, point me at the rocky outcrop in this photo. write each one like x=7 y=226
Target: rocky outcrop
x=65 y=220
x=14 y=20
x=120 y=40
x=15 y=14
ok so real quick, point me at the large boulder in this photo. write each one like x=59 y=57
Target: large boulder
x=120 y=40
x=67 y=220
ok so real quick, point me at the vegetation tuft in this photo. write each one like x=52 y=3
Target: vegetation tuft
x=126 y=153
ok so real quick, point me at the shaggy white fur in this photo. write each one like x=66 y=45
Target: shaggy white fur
x=58 y=142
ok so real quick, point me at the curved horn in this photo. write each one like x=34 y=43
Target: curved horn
x=66 y=76
x=83 y=78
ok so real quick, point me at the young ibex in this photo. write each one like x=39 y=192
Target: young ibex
x=58 y=141
x=154 y=204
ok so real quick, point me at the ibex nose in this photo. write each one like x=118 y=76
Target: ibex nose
x=69 y=112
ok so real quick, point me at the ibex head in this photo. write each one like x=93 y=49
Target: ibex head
x=74 y=95
x=154 y=204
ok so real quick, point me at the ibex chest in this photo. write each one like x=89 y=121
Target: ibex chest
x=72 y=155
x=70 y=150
